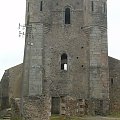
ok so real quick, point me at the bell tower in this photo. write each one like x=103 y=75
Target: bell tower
x=66 y=52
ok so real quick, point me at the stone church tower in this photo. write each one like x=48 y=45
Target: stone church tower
x=66 y=51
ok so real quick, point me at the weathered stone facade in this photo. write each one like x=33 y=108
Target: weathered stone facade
x=11 y=84
x=65 y=61
x=4 y=90
x=114 y=73
x=64 y=105
x=75 y=31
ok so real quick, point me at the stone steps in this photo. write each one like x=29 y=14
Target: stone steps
x=7 y=116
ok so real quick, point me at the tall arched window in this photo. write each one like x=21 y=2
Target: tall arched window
x=67 y=16
x=64 y=64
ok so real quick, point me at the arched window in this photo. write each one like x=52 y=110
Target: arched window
x=64 y=64
x=67 y=16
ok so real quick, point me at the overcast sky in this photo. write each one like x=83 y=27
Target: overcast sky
x=12 y=12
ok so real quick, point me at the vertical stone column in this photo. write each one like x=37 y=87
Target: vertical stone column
x=96 y=27
x=36 y=60
x=99 y=87
x=95 y=63
x=33 y=66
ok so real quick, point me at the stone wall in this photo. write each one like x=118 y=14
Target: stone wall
x=73 y=107
x=0 y=93
x=5 y=90
x=69 y=106
x=84 y=41
x=11 y=84
x=15 y=81
x=15 y=109
x=36 y=108
x=114 y=73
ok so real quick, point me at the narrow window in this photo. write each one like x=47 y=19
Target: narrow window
x=104 y=7
x=41 y=5
x=112 y=81
x=64 y=65
x=28 y=6
x=92 y=5
x=101 y=103
x=67 y=16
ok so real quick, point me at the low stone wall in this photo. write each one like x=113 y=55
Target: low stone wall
x=39 y=107
x=15 y=109
x=36 y=108
x=73 y=107
x=70 y=106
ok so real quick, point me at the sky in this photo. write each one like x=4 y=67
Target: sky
x=12 y=12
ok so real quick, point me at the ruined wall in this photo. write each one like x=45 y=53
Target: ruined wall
x=11 y=84
x=70 y=106
x=114 y=79
x=15 y=81
x=47 y=38
x=71 y=40
x=95 y=27
x=84 y=41
x=5 y=90
x=33 y=55
x=0 y=93
x=37 y=108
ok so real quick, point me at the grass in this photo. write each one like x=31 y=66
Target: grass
x=115 y=114
x=57 y=117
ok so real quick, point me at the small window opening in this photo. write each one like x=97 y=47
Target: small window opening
x=78 y=3
x=101 y=103
x=41 y=5
x=64 y=65
x=67 y=16
x=28 y=6
x=104 y=7
x=112 y=81
x=80 y=100
x=92 y=5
